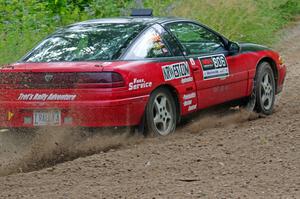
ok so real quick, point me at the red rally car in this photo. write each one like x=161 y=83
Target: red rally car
x=135 y=71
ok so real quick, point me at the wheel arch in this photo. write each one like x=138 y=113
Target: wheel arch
x=273 y=66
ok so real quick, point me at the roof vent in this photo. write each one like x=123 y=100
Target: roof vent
x=141 y=13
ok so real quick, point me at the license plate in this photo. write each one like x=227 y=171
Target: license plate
x=46 y=118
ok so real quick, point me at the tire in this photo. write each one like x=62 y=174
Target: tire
x=160 y=114
x=264 y=89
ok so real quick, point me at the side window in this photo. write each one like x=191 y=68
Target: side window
x=196 y=39
x=149 y=45
x=172 y=44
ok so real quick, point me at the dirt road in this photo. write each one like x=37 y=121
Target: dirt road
x=214 y=157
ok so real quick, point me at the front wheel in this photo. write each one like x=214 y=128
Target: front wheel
x=161 y=113
x=264 y=89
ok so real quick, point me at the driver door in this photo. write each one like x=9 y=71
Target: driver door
x=219 y=76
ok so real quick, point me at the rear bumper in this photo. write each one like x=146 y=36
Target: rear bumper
x=121 y=112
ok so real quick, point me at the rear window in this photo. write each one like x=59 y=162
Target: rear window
x=86 y=42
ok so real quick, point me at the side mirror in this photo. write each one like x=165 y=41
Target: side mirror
x=233 y=48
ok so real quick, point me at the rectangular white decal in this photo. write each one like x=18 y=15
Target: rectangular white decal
x=137 y=84
x=189 y=96
x=176 y=71
x=187 y=103
x=214 y=66
x=187 y=80
x=46 y=97
x=192 y=107
x=192 y=61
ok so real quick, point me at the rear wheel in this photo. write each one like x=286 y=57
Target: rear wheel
x=161 y=113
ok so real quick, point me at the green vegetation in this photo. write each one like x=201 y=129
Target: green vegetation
x=25 y=23
x=246 y=20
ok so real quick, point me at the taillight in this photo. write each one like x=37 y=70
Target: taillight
x=8 y=78
x=61 y=80
x=99 y=80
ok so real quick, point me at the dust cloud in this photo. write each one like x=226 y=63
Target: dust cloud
x=25 y=152
x=21 y=152
x=220 y=117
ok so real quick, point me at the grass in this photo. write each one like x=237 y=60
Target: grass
x=23 y=25
x=248 y=20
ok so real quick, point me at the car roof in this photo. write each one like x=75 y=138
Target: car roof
x=146 y=20
x=143 y=20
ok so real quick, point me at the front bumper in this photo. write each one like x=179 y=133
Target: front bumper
x=281 y=78
x=121 y=112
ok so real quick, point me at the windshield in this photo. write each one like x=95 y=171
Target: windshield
x=86 y=42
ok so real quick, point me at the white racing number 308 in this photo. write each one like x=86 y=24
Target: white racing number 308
x=219 y=62
x=214 y=66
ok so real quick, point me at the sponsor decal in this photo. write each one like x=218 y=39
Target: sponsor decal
x=192 y=61
x=214 y=66
x=187 y=103
x=165 y=50
x=46 y=97
x=189 y=96
x=187 y=79
x=192 y=107
x=137 y=84
x=158 y=45
x=156 y=38
x=176 y=71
